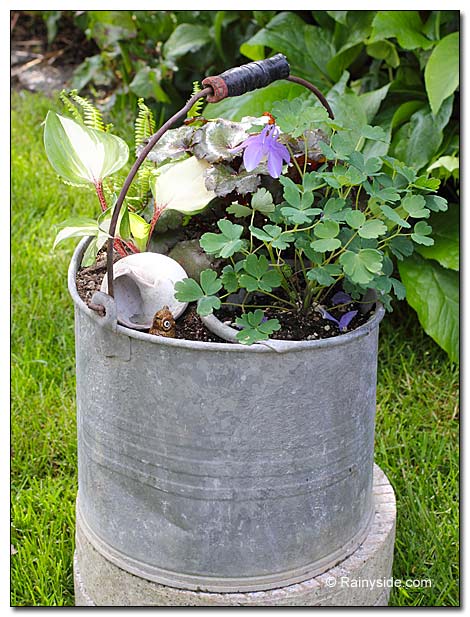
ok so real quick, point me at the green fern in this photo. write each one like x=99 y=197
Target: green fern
x=70 y=107
x=195 y=110
x=82 y=110
x=144 y=124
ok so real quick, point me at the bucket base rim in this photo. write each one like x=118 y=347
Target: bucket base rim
x=220 y=584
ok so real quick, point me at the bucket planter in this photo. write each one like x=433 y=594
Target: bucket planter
x=221 y=467
x=238 y=471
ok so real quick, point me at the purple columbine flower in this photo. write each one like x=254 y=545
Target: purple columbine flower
x=344 y=320
x=341 y=297
x=264 y=145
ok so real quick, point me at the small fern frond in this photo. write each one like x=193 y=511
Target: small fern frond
x=91 y=115
x=70 y=107
x=144 y=124
x=195 y=110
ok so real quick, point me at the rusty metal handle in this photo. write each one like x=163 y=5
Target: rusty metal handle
x=235 y=82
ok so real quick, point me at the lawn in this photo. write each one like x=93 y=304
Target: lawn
x=417 y=442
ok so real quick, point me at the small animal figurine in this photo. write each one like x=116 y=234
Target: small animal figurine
x=163 y=323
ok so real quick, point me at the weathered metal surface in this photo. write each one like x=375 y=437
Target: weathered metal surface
x=363 y=579
x=218 y=467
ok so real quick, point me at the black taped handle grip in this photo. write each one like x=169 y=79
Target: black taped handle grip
x=242 y=79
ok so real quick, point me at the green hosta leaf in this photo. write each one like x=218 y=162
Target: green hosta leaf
x=255 y=103
x=254 y=328
x=450 y=165
x=323 y=275
x=186 y=38
x=392 y=215
x=433 y=291
x=446 y=239
x=79 y=154
x=405 y=26
x=355 y=218
x=258 y=275
x=274 y=235
x=372 y=229
x=181 y=186
x=139 y=229
x=384 y=50
x=418 y=141
x=326 y=229
x=362 y=266
x=421 y=232
x=326 y=244
x=441 y=74
x=76 y=227
x=415 y=205
x=224 y=244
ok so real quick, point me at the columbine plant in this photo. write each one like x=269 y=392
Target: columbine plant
x=320 y=229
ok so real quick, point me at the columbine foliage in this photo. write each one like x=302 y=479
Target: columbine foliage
x=328 y=222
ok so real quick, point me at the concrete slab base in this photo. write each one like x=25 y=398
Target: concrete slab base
x=363 y=579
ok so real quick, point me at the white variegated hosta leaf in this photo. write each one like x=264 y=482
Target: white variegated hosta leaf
x=76 y=227
x=79 y=154
x=181 y=186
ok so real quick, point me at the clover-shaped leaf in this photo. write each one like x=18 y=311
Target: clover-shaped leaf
x=361 y=266
x=273 y=235
x=323 y=275
x=372 y=229
x=394 y=217
x=226 y=243
x=258 y=275
x=421 y=233
x=415 y=205
x=255 y=327
x=188 y=290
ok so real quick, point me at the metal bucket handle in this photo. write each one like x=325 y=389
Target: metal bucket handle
x=234 y=82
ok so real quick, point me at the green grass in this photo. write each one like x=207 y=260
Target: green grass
x=417 y=427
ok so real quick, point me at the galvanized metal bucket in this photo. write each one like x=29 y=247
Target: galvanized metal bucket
x=221 y=467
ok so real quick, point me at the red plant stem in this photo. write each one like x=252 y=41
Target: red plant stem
x=131 y=246
x=101 y=197
x=135 y=167
x=117 y=244
x=157 y=212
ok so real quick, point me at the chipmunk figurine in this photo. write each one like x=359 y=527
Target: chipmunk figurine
x=163 y=323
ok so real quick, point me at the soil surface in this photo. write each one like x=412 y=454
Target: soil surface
x=295 y=326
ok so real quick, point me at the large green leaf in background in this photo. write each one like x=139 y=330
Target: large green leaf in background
x=445 y=227
x=405 y=26
x=418 y=141
x=186 y=38
x=433 y=291
x=441 y=74
x=255 y=103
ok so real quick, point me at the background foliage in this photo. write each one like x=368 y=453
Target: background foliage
x=395 y=69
